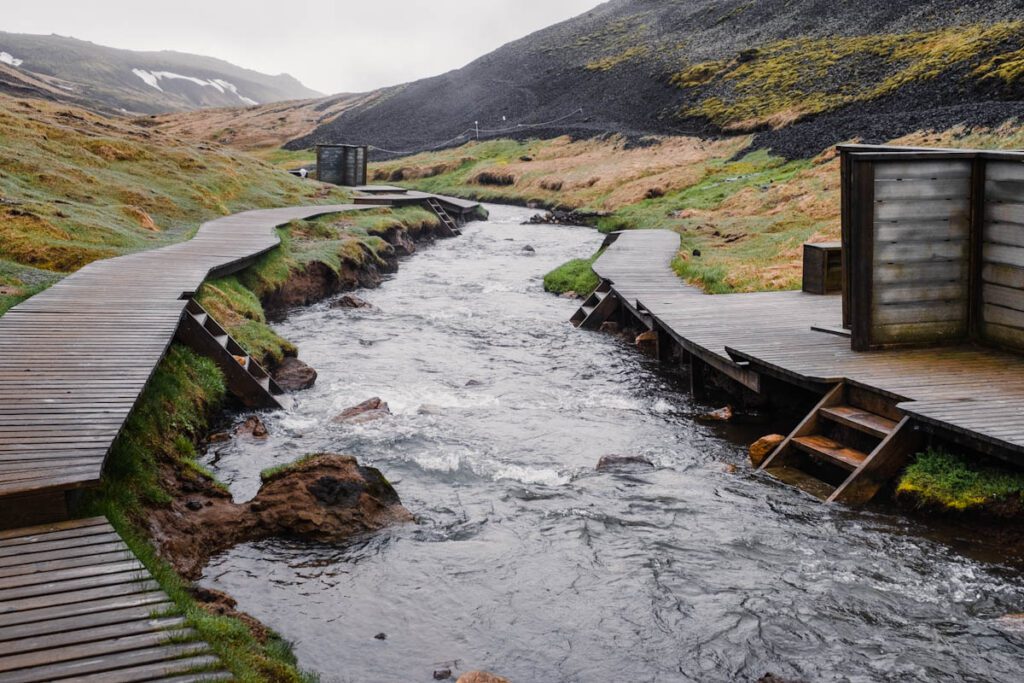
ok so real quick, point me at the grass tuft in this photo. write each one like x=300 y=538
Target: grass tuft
x=576 y=275
x=938 y=477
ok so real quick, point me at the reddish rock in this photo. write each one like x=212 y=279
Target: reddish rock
x=763 y=447
x=647 y=342
x=367 y=411
x=480 y=677
x=294 y=375
x=721 y=415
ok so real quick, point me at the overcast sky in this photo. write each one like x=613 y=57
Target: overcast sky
x=330 y=45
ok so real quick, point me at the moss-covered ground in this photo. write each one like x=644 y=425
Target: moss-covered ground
x=573 y=276
x=945 y=480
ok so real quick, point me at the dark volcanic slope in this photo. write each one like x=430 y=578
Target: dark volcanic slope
x=109 y=79
x=671 y=66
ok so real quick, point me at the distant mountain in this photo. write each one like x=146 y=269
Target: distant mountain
x=802 y=74
x=125 y=81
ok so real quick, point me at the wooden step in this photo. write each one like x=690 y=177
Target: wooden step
x=860 y=419
x=833 y=451
x=803 y=481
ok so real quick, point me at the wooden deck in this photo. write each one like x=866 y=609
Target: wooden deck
x=75 y=358
x=75 y=604
x=975 y=391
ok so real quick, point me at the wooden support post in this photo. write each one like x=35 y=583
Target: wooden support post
x=665 y=344
x=698 y=386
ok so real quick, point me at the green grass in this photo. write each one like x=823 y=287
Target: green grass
x=950 y=481
x=270 y=473
x=574 y=276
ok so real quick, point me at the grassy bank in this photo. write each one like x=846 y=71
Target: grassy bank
x=76 y=187
x=576 y=276
x=339 y=243
x=157 y=444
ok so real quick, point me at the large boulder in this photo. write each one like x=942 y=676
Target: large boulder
x=326 y=498
x=294 y=375
x=763 y=447
x=367 y=411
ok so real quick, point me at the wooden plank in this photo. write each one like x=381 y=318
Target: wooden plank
x=97 y=657
x=144 y=594
x=918 y=252
x=1004 y=254
x=921 y=188
x=892 y=170
x=1007 y=297
x=860 y=419
x=899 y=210
x=164 y=671
x=83 y=621
x=825 y=448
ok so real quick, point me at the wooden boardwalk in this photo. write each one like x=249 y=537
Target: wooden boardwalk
x=971 y=390
x=75 y=604
x=75 y=358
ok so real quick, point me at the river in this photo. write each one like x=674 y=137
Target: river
x=526 y=561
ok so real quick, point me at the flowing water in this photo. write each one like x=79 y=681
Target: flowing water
x=527 y=562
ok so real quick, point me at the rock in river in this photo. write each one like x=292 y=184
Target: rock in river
x=351 y=301
x=762 y=448
x=325 y=498
x=609 y=463
x=367 y=411
x=254 y=427
x=480 y=677
x=294 y=375
x=720 y=415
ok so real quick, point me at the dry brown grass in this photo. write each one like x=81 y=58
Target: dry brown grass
x=255 y=128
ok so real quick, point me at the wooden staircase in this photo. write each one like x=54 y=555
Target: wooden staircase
x=449 y=223
x=246 y=379
x=596 y=308
x=847 y=448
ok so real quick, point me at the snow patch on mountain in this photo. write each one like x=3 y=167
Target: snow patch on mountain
x=153 y=78
x=8 y=58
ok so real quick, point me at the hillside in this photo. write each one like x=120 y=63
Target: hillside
x=124 y=81
x=76 y=187
x=801 y=73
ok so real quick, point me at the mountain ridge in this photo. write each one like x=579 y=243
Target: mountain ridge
x=714 y=67
x=114 y=80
